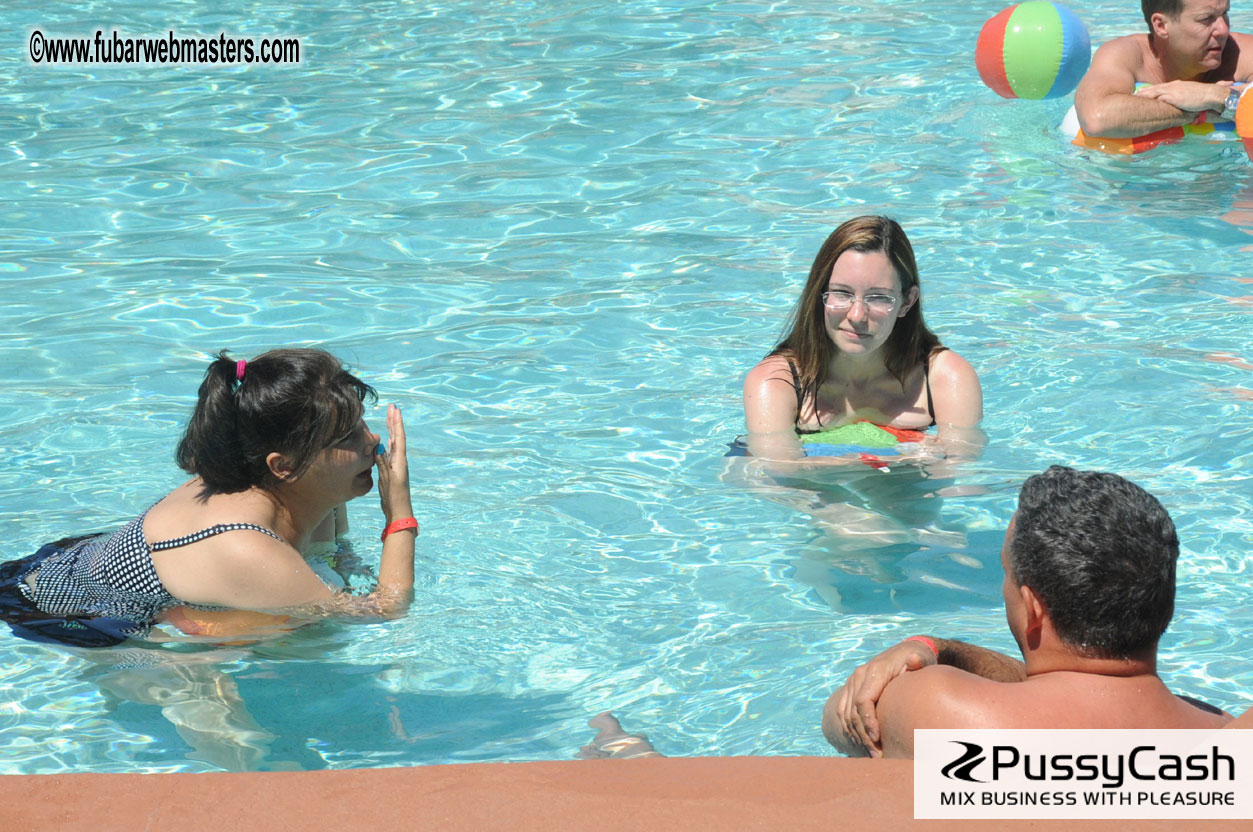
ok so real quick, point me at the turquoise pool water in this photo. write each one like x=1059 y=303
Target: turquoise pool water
x=558 y=234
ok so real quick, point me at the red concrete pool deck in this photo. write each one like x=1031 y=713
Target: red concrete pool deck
x=689 y=794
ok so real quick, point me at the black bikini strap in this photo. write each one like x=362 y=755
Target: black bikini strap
x=196 y=537
x=926 y=377
x=796 y=385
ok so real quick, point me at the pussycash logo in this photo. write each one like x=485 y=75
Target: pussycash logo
x=961 y=768
x=1143 y=763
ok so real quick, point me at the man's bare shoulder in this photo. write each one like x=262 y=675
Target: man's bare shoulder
x=1125 y=55
x=940 y=697
x=1245 y=720
x=1115 y=70
x=944 y=697
x=1129 y=50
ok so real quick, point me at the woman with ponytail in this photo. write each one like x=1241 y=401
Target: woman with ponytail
x=857 y=350
x=276 y=444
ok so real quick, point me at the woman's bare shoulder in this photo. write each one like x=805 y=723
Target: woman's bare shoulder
x=771 y=368
x=947 y=362
x=186 y=510
x=955 y=389
x=241 y=569
x=769 y=396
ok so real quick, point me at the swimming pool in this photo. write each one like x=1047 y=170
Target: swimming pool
x=558 y=234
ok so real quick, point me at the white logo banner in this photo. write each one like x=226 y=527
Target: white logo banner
x=1062 y=773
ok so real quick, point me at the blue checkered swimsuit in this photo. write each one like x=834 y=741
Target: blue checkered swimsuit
x=94 y=591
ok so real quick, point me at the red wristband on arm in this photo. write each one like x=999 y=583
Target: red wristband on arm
x=402 y=523
x=929 y=642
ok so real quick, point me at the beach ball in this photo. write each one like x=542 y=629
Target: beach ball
x=1033 y=50
x=1244 y=119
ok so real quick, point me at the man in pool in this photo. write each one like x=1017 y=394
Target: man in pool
x=1089 y=589
x=1189 y=59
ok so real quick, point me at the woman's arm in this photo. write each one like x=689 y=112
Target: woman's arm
x=956 y=394
x=770 y=411
x=395 y=584
x=957 y=398
x=218 y=624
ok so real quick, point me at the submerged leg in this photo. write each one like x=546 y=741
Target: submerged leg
x=204 y=707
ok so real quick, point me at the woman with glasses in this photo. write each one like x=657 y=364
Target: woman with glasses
x=858 y=350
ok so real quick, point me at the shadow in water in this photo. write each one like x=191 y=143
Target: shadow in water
x=885 y=542
x=305 y=715
x=905 y=577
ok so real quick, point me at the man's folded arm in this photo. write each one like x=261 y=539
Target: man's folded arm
x=934 y=697
x=980 y=661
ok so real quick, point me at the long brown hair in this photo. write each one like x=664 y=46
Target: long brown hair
x=807 y=343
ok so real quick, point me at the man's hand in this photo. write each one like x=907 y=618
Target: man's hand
x=1189 y=96
x=849 y=719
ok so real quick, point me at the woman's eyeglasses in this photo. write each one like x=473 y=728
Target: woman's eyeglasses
x=876 y=303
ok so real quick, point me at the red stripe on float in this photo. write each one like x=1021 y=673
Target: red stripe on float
x=1139 y=144
x=990 y=54
x=1169 y=135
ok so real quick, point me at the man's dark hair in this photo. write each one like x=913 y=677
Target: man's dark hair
x=1170 y=8
x=1100 y=553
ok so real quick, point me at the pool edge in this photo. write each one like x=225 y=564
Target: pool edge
x=703 y=793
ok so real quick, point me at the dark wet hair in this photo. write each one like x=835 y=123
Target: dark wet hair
x=807 y=342
x=292 y=401
x=1170 y=8
x=1100 y=553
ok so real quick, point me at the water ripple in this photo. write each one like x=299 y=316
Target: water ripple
x=558 y=235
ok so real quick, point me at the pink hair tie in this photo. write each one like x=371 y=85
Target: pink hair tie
x=240 y=366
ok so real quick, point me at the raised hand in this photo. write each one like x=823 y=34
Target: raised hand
x=393 y=470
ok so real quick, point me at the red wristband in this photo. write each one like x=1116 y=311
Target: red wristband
x=929 y=642
x=398 y=525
